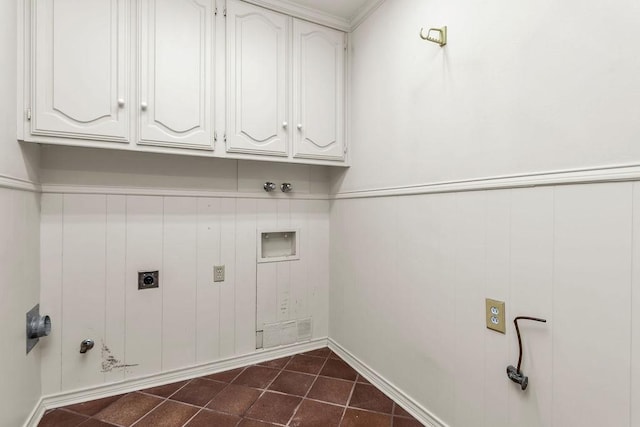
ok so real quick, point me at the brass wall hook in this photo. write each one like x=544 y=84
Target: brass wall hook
x=442 y=35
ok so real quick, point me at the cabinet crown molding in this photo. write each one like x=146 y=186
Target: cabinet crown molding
x=319 y=17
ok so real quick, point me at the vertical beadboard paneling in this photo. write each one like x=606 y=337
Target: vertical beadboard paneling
x=83 y=288
x=228 y=289
x=143 y=307
x=245 y=274
x=635 y=311
x=470 y=332
x=300 y=281
x=19 y=292
x=377 y=243
x=51 y=289
x=341 y=271
x=208 y=292
x=354 y=308
x=283 y=284
x=498 y=216
x=444 y=228
x=317 y=250
x=591 y=312
x=190 y=318
x=179 y=278
x=267 y=272
x=531 y=265
x=266 y=294
x=115 y=270
x=419 y=262
x=283 y=269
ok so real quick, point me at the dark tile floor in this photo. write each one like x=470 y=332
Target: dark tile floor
x=314 y=389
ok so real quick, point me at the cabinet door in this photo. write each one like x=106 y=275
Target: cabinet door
x=80 y=69
x=318 y=94
x=257 y=97
x=176 y=73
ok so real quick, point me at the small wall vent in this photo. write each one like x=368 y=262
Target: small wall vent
x=284 y=333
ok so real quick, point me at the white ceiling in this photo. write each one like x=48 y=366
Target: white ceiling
x=346 y=9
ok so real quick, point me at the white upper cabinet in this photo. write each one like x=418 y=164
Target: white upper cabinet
x=153 y=75
x=318 y=91
x=80 y=66
x=258 y=80
x=175 y=82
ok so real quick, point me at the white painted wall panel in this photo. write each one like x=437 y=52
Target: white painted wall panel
x=531 y=293
x=228 y=289
x=283 y=285
x=300 y=283
x=426 y=298
x=562 y=253
x=497 y=229
x=283 y=269
x=340 y=273
x=144 y=308
x=83 y=288
x=208 y=293
x=267 y=281
x=317 y=253
x=52 y=211
x=469 y=329
x=635 y=311
x=245 y=272
x=189 y=319
x=375 y=234
x=19 y=282
x=443 y=226
x=592 y=282
x=179 y=282
x=115 y=284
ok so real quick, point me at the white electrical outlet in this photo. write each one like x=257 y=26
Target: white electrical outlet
x=218 y=273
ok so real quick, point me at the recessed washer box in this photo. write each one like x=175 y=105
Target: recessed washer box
x=276 y=245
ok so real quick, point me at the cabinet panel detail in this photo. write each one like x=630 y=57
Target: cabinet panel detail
x=176 y=73
x=80 y=69
x=257 y=73
x=318 y=91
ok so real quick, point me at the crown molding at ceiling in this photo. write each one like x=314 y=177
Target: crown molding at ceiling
x=364 y=13
x=314 y=15
x=302 y=12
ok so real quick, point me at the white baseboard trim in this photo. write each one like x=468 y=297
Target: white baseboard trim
x=393 y=392
x=169 y=192
x=127 y=386
x=615 y=173
x=19 y=184
x=36 y=415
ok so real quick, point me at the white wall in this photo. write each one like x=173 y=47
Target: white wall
x=520 y=88
x=19 y=242
x=73 y=166
x=106 y=215
x=19 y=292
x=409 y=278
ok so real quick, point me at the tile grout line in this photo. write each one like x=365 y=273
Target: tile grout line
x=264 y=391
x=295 y=411
x=158 y=405
x=353 y=387
x=208 y=403
x=201 y=408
